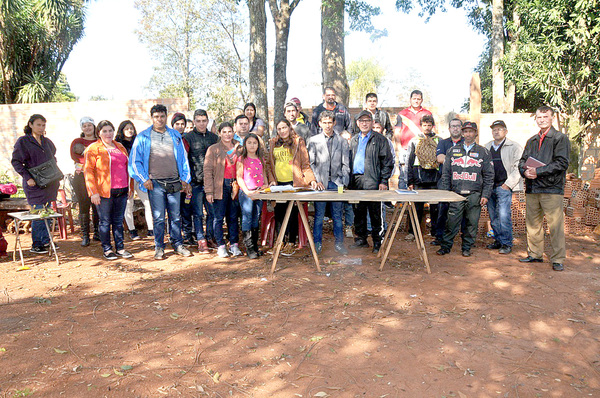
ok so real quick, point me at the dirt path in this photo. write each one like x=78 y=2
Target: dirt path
x=486 y=326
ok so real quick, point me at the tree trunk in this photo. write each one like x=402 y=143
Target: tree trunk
x=281 y=18
x=333 y=62
x=258 y=59
x=509 y=103
x=497 y=44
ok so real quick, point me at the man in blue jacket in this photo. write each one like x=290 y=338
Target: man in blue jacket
x=158 y=162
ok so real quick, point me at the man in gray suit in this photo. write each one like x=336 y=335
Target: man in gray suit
x=329 y=160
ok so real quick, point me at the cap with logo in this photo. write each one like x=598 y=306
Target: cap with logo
x=469 y=125
x=365 y=113
x=498 y=123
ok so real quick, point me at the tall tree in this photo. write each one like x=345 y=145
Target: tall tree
x=365 y=76
x=333 y=60
x=558 y=57
x=195 y=44
x=281 y=11
x=258 y=57
x=36 y=39
x=489 y=17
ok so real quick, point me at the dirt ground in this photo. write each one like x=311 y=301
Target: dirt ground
x=484 y=326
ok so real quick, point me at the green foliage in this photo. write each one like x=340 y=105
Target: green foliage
x=196 y=43
x=364 y=76
x=360 y=14
x=36 y=38
x=558 y=56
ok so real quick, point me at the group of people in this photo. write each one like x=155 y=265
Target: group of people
x=205 y=177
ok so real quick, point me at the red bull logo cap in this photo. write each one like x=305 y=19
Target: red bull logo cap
x=469 y=125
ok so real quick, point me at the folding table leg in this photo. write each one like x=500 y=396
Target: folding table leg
x=308 y=234
x=279 y=243
x=52 y=247
x=390 y=242
x=390 y=227
x=419 y=236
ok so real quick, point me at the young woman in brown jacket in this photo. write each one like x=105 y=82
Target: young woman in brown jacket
x=288 y=164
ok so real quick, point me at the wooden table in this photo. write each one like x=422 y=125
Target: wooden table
x=27 y=216
x=403 y=202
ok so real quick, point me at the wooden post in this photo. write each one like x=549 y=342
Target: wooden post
x=475 y=101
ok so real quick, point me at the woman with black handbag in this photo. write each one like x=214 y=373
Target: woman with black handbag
x=34 y=159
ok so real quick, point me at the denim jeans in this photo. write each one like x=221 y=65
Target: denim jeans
x=160 y=201
x=348 y=215
x=112 y=212
x=39 y=232
x=187 y=218
x=210 y=218
x=250 y=212
x=500 y=215
x=226 y=208
x=337 y=209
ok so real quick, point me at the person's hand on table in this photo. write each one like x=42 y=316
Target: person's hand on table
x=320 y=186
x=272 y=184
x=410 y=187
x=314 y=185
x=148 y=185
x=383 y=187
x=95 y=198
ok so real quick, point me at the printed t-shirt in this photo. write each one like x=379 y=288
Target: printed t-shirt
x=283 y=164
x=253 y=173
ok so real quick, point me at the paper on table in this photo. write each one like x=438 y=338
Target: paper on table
x=309 y=192
x=533 y=162
x=406 y=191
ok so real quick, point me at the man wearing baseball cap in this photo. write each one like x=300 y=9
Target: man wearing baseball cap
x=302 y=116
x=505 y=156
x=468 y=171
x=371 y=164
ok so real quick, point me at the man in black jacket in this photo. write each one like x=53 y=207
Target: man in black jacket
x=197 y=142
x=371 y=164
x=468 y=170
x=342 y=115
x=544 y=165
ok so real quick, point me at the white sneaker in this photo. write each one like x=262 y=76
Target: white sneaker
x=288 y=250
x=222 y=251
x=349 y=233
x=235 y=250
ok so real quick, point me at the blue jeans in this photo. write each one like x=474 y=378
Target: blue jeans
x=229 y=208
x=39 y=232
x=250 y=212
x=210 y=218
x=500 y=215
x=160 y=201
x=348 y=215
x=112 y=212
x=337 y=209
x=192 y=212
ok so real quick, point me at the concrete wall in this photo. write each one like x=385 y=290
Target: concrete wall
x=62 y=125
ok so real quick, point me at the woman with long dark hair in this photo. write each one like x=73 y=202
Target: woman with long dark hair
x=86 y=138
x=34 y=149
x=126 y=134
x=257 y=125
x=108 y=186
x=288 y=164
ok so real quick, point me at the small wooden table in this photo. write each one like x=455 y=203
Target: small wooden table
x=404 y=201
x=21 y=216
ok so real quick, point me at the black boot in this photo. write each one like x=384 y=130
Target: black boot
x=255 y=235
x=96 y=222
x=249 y=245
x=84 y=223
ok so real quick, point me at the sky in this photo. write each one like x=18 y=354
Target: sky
x=110 y=61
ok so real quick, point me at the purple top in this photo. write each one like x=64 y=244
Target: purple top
x=29 y=153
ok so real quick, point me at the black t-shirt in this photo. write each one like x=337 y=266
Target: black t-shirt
x=500 y=175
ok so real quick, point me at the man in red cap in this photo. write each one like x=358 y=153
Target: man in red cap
x=469 y=172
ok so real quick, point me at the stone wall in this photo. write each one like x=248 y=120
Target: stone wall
x=62 y=125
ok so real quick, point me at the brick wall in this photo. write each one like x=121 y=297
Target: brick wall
x=62 y=125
